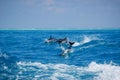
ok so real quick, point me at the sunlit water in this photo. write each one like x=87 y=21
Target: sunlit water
x=24 y=55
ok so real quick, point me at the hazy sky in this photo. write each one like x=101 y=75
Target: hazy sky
x=59 y=14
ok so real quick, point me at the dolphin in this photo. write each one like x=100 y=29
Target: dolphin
x=50 y=39
x=65 y=40
x=67 y=50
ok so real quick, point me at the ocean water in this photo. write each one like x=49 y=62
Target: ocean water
x=24 y=55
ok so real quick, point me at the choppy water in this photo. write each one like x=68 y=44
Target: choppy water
x=25 y=56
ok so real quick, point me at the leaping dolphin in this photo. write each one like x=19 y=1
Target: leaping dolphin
x=65 y=40
x=67 y=50
x=51 y=39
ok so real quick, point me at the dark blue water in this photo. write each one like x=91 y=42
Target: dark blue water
x=24 y=55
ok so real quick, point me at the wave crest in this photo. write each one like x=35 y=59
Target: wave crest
x=86 y=39
x=49 y=71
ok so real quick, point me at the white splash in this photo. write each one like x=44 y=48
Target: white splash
x=68 y=72
x=106 y=71
x=76 y=44
x=86 y=39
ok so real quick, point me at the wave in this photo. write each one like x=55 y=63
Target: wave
x=94 y=71
x=86 y=39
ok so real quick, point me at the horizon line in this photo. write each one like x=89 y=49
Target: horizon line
x=68 y=29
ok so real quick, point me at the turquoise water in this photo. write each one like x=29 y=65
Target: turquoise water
x=24 y=55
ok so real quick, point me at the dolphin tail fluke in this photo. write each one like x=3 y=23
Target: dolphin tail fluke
x=71 y=43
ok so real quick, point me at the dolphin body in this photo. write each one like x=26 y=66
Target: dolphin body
x=61 y=41
x=51 y=39
x=67 y=50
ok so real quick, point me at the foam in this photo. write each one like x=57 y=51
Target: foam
x=63 y=76
x=76 y=44
x=86 y=39
x=36 y=64
x=106 y=71
x=69 y=72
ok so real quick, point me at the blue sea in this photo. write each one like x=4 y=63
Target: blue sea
x=24 y=55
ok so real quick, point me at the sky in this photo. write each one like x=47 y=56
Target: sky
x=59 y=14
